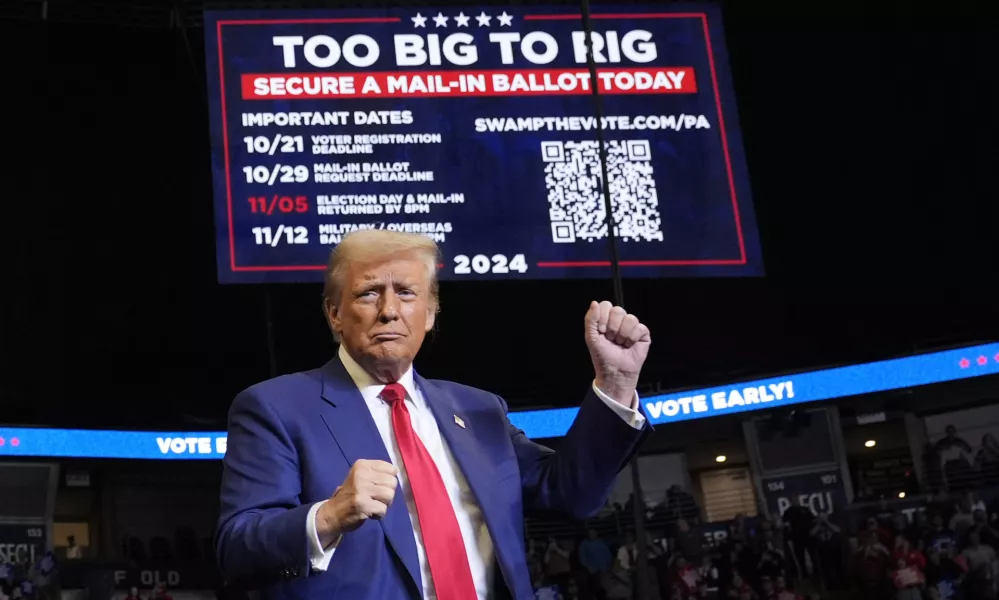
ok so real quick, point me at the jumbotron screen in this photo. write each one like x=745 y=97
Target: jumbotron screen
x=478 y=128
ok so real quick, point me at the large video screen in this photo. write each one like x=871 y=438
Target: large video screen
x=478 y=127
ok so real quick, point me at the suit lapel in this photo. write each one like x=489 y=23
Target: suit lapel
x=475 y=464
x=461 y=440
x=349 y=420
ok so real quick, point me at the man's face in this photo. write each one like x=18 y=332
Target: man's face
x=384 y=312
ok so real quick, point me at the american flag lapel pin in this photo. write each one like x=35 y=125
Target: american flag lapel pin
x=459 y=422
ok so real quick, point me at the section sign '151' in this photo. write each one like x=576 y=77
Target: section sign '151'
x=479 y=129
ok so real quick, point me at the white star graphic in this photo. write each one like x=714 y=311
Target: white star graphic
x=419 y=20
x=462 y=20
x=483 y=19
x=440 y=20
x=504 y=19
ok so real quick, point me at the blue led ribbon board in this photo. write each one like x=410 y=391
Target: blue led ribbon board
x=788 y=390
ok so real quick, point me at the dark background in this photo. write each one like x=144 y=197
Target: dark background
x=870 y=135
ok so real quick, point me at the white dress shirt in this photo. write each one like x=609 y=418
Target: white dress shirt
x=478 y=543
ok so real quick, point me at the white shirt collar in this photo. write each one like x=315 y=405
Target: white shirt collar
x=371 y=388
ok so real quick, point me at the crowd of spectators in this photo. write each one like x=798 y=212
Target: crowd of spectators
x=952 y=464
x=941 y=548
x=749 y=564
x=33 y=577
x=27 y=577
x=946 y=550
x=938 y=547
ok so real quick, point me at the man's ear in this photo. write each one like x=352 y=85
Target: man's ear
x=431 y=318
x=333 y=317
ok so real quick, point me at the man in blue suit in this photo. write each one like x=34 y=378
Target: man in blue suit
x=363 y=480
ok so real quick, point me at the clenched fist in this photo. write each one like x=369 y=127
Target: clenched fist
x=366 y=493
x=618 y=343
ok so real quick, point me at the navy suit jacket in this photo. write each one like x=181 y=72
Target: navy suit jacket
x=293 y=439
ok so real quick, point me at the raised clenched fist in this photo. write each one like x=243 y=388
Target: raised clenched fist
x=618 y=343
x=366 y=493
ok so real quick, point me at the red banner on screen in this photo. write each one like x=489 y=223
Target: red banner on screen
x=429 y=84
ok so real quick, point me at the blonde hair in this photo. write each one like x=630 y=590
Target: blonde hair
x=373 y=246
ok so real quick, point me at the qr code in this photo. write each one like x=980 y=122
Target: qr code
x=576 y=206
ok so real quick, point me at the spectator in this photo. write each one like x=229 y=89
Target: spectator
x=685 y=577
x=944 y=575
x=543 y=592
x=709 y=578
x=160 y=593
x=874 y=527
x=617 y=583
x=798 y=521
x=6 y=579
x=771 y=563
x=941 y=538
x=828 y=553
x=954 y=456
x=962 y=519
x=627 y=553
x=739 y=530
x=986 y=533
x=908 y=579
x=687 y=542
x=906 y=553
x=20 y=572
x=872 y=558
x=658 y=556
x=740 y=559
x=73 y=552
x=987 y=460
x=981 y=569
x=533 y=551
x=133 y=594
x=47 y=577
x=595 y=558
x=558 y=564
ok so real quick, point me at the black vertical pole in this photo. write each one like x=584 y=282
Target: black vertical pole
x=638 y=498
x=602 y=149
x=269 y=324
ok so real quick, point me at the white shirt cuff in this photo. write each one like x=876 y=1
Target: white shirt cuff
x=319 y=557
x=630 y=414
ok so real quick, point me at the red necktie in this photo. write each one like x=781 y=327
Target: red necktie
x=442 y=541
